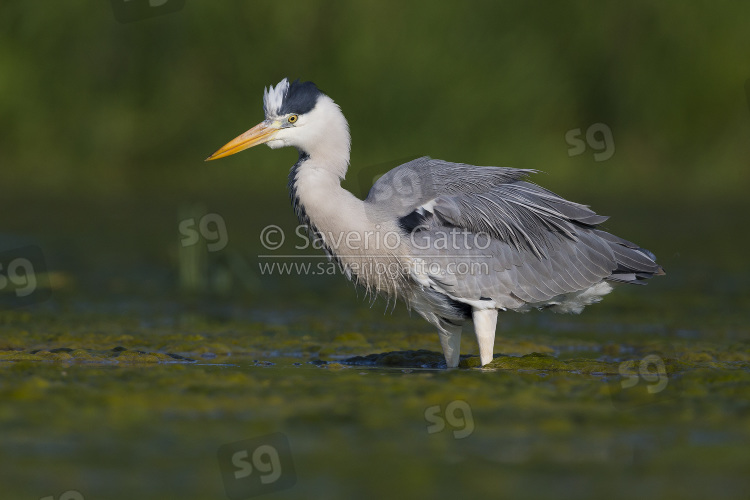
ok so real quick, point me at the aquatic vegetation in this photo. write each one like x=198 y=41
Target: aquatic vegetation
x=630 y=398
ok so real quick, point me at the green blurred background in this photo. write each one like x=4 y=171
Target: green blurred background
x=104 y=125
x=93 y=108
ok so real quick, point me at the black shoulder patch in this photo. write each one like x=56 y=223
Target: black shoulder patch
x=300 y=98
x=410 y=222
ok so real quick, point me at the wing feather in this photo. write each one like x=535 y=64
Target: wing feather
x=542 y=245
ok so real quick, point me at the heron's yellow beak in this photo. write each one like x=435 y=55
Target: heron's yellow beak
x=259 y=134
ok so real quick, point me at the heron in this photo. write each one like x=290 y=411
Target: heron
x=456 y=242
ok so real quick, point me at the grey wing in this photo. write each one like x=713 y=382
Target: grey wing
x=409 y=186
x=485 y=234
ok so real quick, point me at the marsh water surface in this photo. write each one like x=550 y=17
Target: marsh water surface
x=150 y=393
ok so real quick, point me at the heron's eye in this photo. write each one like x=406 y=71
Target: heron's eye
x=292 y=118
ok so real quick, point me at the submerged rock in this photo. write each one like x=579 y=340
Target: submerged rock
x=421 y=358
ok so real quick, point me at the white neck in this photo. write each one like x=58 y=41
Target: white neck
x=323 y=134
x=322 y=138
x=336 y=215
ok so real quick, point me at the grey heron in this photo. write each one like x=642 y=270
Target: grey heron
x=456 y=242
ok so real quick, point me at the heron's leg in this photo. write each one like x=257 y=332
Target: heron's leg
x=450 y=339
x=485 y=322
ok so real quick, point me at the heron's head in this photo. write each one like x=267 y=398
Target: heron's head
x=297 y=114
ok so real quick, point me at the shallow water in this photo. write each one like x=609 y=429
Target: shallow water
x=151 y=394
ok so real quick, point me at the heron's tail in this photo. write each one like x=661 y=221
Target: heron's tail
x=634 y=264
